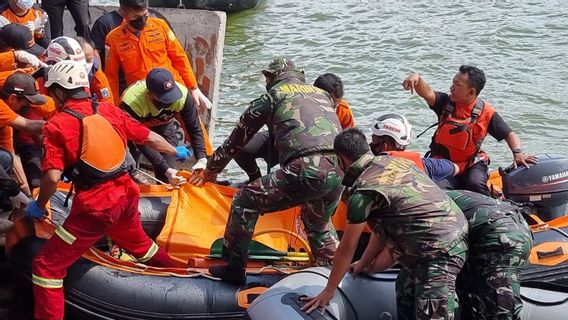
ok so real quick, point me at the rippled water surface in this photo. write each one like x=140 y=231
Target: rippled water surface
x=521 y=45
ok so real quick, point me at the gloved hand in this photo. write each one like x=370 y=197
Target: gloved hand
x=182 y=153
x=200 y=100
x=30 y=25
x=28 y=58
x=4 y=21
x=199 y=165
x=173 y=178
x=20 y=200
x=35 y=212
x=39 y=22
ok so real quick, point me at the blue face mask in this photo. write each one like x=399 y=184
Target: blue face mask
x=25 y=4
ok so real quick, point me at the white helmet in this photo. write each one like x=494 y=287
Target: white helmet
x=65 y=48
x=395 y=126
x=68 y=74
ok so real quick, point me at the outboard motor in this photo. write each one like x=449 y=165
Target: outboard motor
x=544 y=186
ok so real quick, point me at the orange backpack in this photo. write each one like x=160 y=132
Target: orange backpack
x=102 y=152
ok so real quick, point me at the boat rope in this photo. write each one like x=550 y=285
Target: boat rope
x=141 y=268
x=562 y=232
x=544 y=303
x=271 y=267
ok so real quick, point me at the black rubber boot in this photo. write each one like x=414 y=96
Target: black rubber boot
x=230 y=274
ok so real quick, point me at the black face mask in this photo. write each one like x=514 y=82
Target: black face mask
x=160 y=105
x=375 y=148
x=138 y=23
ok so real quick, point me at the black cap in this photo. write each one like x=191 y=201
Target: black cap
x=24 y=85
x=161 y=83
x=19 y=37
x=133 y=3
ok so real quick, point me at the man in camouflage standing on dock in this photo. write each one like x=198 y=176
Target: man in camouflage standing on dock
x=302 y=123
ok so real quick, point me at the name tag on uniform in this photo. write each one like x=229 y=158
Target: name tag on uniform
x=155 y=37
x=126 y=47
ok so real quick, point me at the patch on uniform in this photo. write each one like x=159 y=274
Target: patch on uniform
x=171 y=35
x=105 y=93
x=107 y=51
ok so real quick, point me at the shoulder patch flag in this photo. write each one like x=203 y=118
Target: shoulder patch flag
x=105 y=93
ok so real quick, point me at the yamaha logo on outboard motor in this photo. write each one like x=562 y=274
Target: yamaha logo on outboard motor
x=554 y=177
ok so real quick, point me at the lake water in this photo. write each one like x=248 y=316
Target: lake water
x=521 y=45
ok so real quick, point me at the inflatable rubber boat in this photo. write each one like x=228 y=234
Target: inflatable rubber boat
x=216 y=5
x=106 y=283
x=544 y=280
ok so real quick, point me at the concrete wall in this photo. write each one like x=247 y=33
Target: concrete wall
x=201 y=33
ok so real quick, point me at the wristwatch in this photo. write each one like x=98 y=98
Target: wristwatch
x=517 y=150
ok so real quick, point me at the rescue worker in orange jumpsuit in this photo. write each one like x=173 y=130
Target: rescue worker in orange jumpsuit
x=464 y=120
x=18 y=51
x=10 y=105
x=21 y=93
x=140 y=44
x=29 y=14
x=16 y=95
x=87 y=140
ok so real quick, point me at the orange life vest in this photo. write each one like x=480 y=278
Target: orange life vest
x=102 y=152
x=409 y=155
x=459 y=140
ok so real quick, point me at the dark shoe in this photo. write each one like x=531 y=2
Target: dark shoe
x=230 y=274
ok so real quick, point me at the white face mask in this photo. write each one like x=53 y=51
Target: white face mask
x=25 y=4
x=89 y=66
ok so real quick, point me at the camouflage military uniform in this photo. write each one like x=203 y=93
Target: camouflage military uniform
x=426 y=228
x=500 y=242
x=301 y=120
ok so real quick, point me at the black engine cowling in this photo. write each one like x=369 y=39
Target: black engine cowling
x=544 y=185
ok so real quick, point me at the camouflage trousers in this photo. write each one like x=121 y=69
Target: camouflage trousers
x=312 y=182
x=427 y=290
x=488 y=286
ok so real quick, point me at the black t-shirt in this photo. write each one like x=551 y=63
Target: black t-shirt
x=498 y=128
x=101 y=28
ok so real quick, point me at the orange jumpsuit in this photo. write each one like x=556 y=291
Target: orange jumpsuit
x=156 y=46
x=345 y=115
x=7 y=115
x=30 y=15
x=101 y=87
x=8 y=66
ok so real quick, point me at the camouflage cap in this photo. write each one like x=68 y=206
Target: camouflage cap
x=279 y=65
